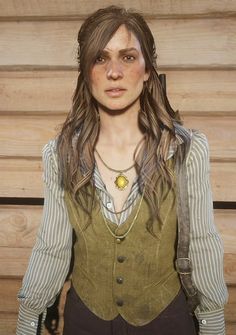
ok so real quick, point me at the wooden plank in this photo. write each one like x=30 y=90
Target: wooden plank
x=231 y=328
x=198 y=92
x=14 y=261
x=18 y=8
x=18 y=225
x=225 y=222
x=223 y=146
x=8 y=293
x=230 y=268
x=9 y=304
x=223 y=180
x=191 y=92
x=21 y=178
x=16 y=130
x=230 y=309
x=8 y=323
x=23 y=91
x=181 y=43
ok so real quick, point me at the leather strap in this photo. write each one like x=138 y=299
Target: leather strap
x=183 y=262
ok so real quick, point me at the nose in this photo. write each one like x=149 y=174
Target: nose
x=114 y=70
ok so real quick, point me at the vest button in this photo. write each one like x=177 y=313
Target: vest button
x=121 y=259
x=119 y=302
x=119 y=280
x=119 y=239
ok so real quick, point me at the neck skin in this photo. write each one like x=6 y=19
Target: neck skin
x=119 y=128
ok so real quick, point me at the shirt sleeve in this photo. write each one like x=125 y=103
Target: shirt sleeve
x=50 y=259
x=206 y=251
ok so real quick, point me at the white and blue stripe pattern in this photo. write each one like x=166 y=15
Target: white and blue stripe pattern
x=50 y=259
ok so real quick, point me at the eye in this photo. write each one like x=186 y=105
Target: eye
x=100 y=60
x=129 y=58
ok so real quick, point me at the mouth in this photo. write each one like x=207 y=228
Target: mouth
x=115 y=91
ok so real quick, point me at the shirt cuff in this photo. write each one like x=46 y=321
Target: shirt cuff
x=28 y=321
x=212 y=322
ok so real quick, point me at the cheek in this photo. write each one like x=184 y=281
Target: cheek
x=137 y=74
x=95 y=79
x=95 y=74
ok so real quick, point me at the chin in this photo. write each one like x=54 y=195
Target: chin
x=118 y=107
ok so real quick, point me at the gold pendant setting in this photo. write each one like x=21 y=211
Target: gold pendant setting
x=121 y=182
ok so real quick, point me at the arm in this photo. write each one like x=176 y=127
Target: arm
x=206 y=250
x=50 y=259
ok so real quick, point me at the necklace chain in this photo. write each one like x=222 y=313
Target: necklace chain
x=119 y=212
x=119 y=237
x=121 y=181
x=111 y=169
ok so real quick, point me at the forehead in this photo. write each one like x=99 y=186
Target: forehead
x=122 y=39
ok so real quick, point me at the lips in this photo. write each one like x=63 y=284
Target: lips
x=115 y=91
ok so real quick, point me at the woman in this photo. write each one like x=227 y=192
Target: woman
x=110 y=176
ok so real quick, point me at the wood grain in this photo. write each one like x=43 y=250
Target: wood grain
x=198 y=92
x=225 y=221
x=8 y=323
x=14 y=261
x=181 y=43
x=196 y=45
x=231 y=328
x=9 y=304
x=36 y=91
x=21 y=178
x=18 y=225
x=222 y=175
x=230 y=268
x=222 y=146
x=8 y=293
x=230 y=310
x=191 y=92
x=18 y=8
x=16 y=130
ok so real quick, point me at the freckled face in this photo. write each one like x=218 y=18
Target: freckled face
x=118 y=74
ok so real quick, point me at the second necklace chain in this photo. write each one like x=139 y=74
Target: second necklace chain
x=121 y=180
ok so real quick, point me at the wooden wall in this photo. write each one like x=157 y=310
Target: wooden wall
x=196 y=43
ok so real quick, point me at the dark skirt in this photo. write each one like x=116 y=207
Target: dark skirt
x=79 y=320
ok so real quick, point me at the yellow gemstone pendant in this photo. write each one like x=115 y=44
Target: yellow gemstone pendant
x=121 y=182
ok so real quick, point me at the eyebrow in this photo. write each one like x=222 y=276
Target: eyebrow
x=122 y=51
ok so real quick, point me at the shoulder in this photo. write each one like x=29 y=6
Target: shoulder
x=50 y=163
x=194 y=140
x=49 y=153
x=199 y=148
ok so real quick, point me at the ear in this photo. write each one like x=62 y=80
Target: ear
x=146 y=75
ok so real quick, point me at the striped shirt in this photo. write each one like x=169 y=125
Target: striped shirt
x=51 y=255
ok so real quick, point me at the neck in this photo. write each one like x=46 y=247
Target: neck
x=119 y=128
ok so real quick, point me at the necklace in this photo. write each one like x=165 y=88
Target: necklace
x=118 y=212
x=121 y=181
x=120 y=238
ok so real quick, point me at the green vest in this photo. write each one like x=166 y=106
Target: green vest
x=135 y=278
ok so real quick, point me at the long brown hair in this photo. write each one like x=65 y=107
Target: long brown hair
x=79 y=133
